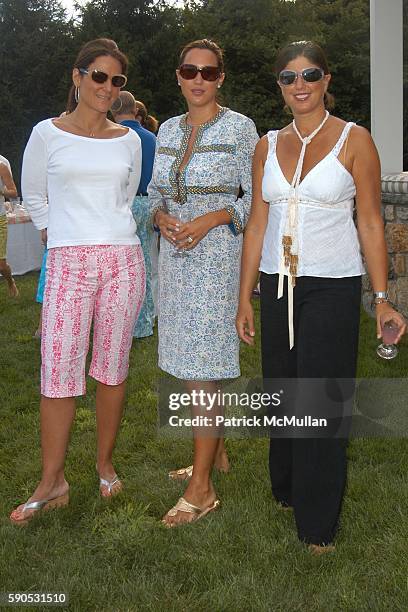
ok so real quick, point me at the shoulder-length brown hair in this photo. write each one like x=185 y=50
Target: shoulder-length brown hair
x=88 y=54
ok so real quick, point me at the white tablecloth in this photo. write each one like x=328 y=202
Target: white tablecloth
x=24 y=247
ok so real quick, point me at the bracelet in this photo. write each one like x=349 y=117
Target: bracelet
x=377 y=301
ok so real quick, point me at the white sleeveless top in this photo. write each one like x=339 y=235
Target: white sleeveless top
x=328 y=244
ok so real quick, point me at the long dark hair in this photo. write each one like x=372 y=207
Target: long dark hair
x=88 y=54
x=313 y=52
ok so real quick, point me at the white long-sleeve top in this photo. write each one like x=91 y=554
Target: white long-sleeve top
x=81 y=188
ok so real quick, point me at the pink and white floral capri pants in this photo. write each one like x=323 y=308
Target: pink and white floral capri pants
x=103 y=284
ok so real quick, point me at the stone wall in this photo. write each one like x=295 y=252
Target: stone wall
x=394 y=195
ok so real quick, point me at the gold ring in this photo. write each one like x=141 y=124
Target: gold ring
x=189 y=239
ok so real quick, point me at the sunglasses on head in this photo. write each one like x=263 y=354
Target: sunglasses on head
x=209 y=73
x=118 y=80
x=309 y=75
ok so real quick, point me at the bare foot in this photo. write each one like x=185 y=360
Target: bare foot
x=321 y=550
x=283 y=507
x=56 y=495
x=12 y=290
x=221 y=462
x=200 y=498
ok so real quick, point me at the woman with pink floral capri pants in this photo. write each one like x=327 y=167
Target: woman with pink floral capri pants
x=80 y=175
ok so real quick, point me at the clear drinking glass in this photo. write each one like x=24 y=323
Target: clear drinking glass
x=183 y=216
x=15 y=204
x=389 y=333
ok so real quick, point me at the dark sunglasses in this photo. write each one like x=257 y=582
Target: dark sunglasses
x=209 y=73
x=118 y=80
x=309 y=75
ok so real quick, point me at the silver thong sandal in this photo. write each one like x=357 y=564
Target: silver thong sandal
x=39 y=506
x=109 y=484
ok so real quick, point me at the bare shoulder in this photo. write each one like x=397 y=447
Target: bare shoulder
x=364 y=154
x=60 y=122
x=285 y=131
x=116 y=129
x=336 y=121
x=286 y=136
x=360 y=135
x=261 y=149
x=263 y=143
x=361 y=141
x=4 y=170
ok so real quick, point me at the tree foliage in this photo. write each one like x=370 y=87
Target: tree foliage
x=38 y=44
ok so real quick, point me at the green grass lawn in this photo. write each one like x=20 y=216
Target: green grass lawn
x=246 y=557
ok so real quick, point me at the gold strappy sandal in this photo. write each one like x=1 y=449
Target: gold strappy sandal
x=184 y=506
x=182 y=473
x=187 y=472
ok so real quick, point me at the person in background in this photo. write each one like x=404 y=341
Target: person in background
x=147 y=121
x=131 y=113
x=151 y=123
x=203 y=163
x=80 y=175
x=7 y=190
x=39 y=298
x=301 y=236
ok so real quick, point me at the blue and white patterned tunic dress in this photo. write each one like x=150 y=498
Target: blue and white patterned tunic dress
x=198 y=294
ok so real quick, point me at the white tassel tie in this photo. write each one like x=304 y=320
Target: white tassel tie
x=289 y=258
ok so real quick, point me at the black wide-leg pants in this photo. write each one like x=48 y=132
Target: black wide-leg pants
x=309 y=474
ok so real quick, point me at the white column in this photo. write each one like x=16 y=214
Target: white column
x=386 y=27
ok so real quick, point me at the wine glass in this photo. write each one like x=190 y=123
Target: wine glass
x=389 y=333
x=183 y=216
x=15 y=204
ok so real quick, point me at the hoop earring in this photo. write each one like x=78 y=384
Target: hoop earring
x=76 y=95
x=116 y=110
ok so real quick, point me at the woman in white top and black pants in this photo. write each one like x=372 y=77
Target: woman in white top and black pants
x=80 y=175
x=302 y=237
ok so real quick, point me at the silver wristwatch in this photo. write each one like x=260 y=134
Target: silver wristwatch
x=380 y=297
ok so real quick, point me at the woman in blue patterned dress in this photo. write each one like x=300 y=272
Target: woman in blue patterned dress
x=203 y=163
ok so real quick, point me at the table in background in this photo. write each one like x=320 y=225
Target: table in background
x=24 y=246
